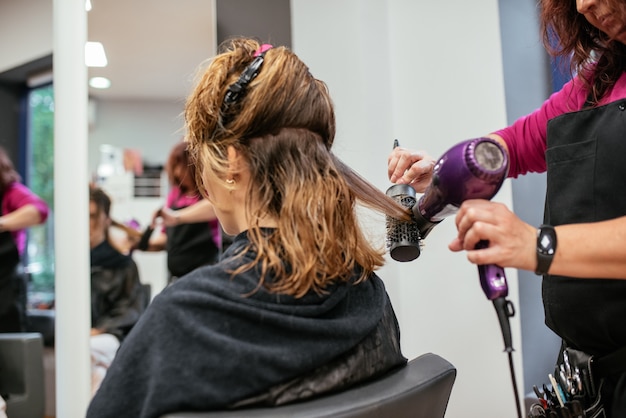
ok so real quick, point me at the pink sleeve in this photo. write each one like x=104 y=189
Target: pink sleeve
x=171 y=195
x=526 y=137
x=18 y=195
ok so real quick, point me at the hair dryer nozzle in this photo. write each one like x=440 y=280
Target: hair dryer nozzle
x=472 y=169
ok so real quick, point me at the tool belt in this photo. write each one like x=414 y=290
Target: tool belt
x=575 y=389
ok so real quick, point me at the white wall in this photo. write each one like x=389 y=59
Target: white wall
x=25 y=31
x=152 y=127
x=430 y=74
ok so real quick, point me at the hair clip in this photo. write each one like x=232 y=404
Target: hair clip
x=263 y=49
x=237 y=89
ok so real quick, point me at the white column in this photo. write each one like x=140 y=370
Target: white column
x=71 y=217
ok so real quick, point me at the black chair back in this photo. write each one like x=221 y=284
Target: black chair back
x=421 y=389
x=21 y=374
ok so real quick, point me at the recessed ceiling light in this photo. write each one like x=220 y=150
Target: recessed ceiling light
x=100 y=82
x=94 y=55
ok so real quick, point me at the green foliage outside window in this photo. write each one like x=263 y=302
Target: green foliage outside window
x=40 y=254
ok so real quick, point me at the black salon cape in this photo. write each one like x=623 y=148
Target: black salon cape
x=202 y=345
x=117 y=299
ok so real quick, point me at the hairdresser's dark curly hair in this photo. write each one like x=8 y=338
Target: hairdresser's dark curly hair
x=597 y=59
x=8 y=174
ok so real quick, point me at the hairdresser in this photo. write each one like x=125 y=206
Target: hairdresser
x=117 y=299
x=20 y=209
x=579 y=137
x=190 y=233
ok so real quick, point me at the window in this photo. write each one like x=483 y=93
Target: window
x=39 y=256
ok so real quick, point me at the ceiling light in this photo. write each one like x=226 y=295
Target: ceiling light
x=88 y=5
x=100 y=82
x=94 y=55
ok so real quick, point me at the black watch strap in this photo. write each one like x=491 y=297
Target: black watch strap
x=546 y=247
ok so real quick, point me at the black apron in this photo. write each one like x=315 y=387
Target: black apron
x=10 y=314
x=585 y=183
x=189 y=246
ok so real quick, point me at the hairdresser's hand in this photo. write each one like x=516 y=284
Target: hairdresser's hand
x=155 y=218
x=169 y=217
x=410 y=167
x=512 y=242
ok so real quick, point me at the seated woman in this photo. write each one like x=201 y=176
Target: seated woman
x=294 y=308
x=117 y=297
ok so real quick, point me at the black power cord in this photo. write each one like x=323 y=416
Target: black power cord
x=505 y=310
x=517 y=401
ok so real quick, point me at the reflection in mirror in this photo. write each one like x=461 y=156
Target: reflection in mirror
x=154 y=49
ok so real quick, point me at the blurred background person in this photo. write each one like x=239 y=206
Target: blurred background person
x=20 y=208
x=191 y=233
x=117 y=296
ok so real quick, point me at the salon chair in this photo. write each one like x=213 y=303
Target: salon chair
x=421 y=389
x=42 y=321
x=22 y=374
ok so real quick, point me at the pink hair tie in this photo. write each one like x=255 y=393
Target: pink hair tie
x=262 y=49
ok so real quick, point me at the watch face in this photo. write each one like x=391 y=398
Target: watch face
x=546 y=242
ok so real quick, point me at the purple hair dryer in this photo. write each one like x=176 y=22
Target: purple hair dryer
x=472 y=169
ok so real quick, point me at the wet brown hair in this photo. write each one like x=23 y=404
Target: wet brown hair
x=284 y=125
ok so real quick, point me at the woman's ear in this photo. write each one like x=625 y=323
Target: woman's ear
x=234 y=162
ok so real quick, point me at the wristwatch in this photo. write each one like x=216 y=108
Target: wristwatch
x=546 y=247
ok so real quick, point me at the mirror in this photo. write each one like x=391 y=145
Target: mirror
x=154 y=49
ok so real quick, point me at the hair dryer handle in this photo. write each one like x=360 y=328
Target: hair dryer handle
x=493 y=282
x=492 y=278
